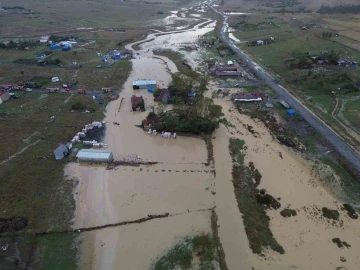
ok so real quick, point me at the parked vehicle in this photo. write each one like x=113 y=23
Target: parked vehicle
x=81 y=91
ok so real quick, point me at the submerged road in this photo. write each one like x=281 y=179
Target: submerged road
x=343 y=148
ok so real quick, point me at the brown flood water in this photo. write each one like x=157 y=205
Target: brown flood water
x=307 y=237
x=181 y=184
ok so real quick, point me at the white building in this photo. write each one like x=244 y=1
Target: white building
x=94 y=155
x=144 y=84
x=44 y=39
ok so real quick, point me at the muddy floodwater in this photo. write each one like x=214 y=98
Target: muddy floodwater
x=183 y=186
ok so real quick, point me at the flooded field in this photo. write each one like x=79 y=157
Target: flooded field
x=297 y=185
x=181 y=185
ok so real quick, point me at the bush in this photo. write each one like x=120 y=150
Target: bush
x=78 y=105
x=157 y=92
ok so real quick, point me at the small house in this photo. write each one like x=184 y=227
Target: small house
x=152 y=123
x=61 y=151
x=137 y=103
x=164 y=96
x=260 y=42
x=144 y=84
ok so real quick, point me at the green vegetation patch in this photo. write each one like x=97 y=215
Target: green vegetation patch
x=256 y=221
x=41 y=81
x=58 y=251
x=34 y=186
x=180 y=63
x=181 y=256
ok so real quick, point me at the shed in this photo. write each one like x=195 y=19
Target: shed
x=94 y=155
x=191 y=94
x=291 y=112
x=144 y=84
x=54 y=46
x=260 y=42
x=61 y=151
x=164 y=96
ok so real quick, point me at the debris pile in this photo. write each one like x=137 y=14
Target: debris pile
x=83 y=132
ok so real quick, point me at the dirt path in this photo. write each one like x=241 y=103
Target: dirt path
x=19 y=152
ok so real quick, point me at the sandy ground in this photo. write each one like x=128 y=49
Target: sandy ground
x=181 y=184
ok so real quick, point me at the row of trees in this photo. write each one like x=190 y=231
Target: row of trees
x=354 y=9
x=202 y=115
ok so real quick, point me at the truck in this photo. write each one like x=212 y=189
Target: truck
x=106 y=90
x=53 y=90
x=81 y=91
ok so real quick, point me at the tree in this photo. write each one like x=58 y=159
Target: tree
x=171 y=121
x=157 y=92
x=180 y=85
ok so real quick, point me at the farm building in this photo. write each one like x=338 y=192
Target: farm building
x=152 y=123
x=4 y=96
x=231 y=69
x=164 y=96
x=137 y=103
x=144 y=84
x=248 y=97
x=92 y=155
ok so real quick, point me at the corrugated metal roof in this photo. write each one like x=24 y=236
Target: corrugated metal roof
x=144 y=82
x=92 y=154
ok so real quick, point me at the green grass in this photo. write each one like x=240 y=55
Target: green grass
x=226 y=122
x=177 y=58
x=352 y=113
x=256 y=221
x=38 y=191
x=181 y=255
x=349 y=182
x=58 y=251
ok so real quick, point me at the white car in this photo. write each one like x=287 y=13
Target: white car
x=237 y=85
x=28 y=90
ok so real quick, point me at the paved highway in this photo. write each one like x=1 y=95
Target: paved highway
x=343 y=149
